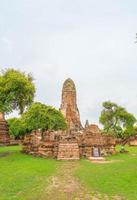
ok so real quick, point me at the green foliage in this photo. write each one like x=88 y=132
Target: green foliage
x=40 y=116
x=117 y=120
x=16 y=127
x=16 y=90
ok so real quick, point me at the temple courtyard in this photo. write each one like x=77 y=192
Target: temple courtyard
x=25 y=177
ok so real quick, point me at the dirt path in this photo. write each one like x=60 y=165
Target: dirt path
x=5 y=154
x=64 y=186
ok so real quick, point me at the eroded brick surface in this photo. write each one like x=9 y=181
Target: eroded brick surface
x=4 y=136
x=76 y=141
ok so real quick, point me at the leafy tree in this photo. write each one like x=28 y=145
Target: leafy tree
x=116 y=120
x=40 y=116
x=16 y=90
x=17 y=127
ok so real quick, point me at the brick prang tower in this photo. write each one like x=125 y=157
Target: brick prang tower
x=69 y=107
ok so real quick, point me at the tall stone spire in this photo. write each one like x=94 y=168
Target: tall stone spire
x=69 y=105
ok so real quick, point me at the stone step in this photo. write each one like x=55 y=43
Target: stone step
x=68 y=151
x=97 y=158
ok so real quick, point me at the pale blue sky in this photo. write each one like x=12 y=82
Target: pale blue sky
x=90 y=41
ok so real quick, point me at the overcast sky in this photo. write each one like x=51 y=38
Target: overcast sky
x=90 y=41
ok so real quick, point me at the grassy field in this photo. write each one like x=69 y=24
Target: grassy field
x=117 y=178
x=23 y=177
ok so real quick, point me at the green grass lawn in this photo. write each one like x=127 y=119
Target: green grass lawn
x=24 y=177
x=118 y=178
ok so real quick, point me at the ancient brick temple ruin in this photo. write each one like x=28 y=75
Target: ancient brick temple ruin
x=69 y=106
x=76 y=141
x=4 y=136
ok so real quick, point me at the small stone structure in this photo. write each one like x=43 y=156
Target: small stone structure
x=132 y=141
x=68 y=151
x=73 y=143
x=4 y=136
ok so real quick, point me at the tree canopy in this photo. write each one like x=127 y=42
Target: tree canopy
x=117 y=120
x=17 y=127
x=38 y=116
x=16 y=90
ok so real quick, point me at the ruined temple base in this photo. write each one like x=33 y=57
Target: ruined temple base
x=62 y=146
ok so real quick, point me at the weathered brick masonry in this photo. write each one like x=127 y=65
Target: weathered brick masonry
x=4 y=136
x=76 y=141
